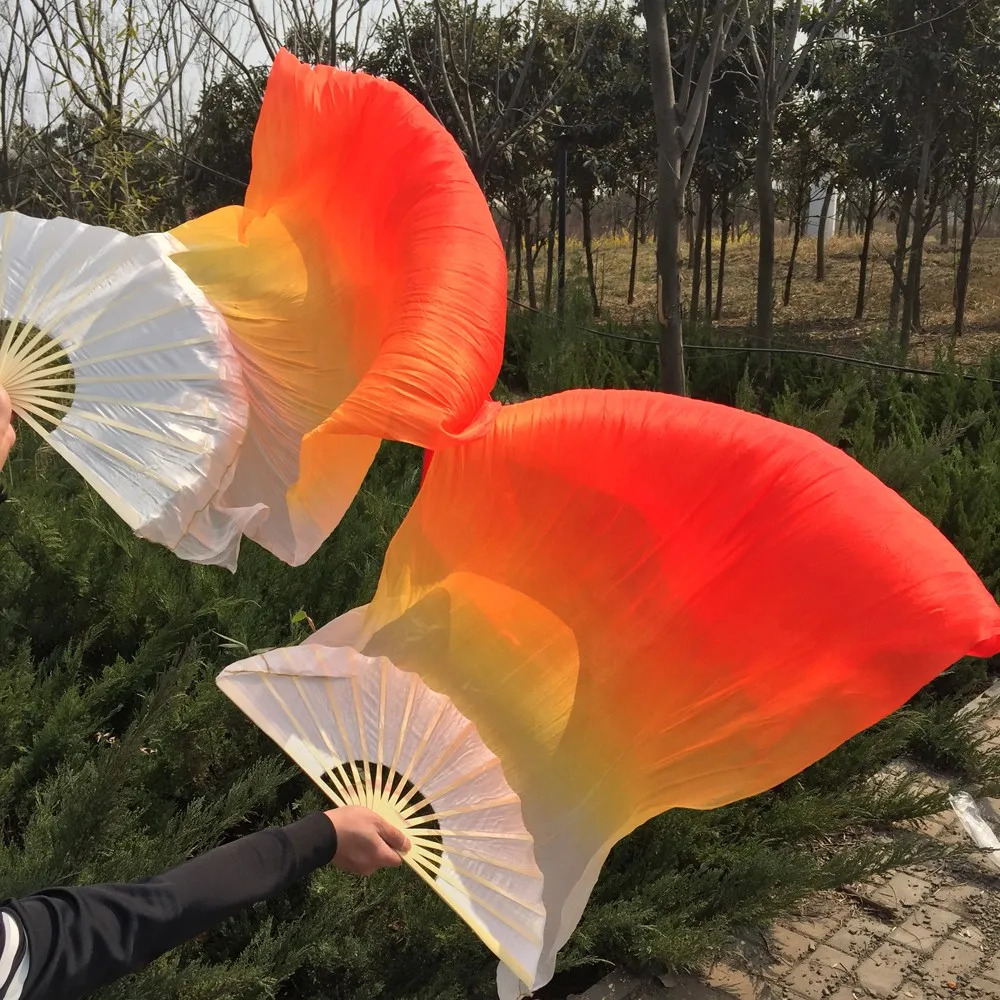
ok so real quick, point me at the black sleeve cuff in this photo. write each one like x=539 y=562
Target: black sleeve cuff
x=314 y=840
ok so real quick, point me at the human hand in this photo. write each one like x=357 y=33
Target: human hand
x=7 y=435
x=365 y=842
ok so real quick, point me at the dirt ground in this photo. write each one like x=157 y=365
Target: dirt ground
x=821 y=310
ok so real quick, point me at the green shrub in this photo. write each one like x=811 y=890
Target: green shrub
x=118 y=756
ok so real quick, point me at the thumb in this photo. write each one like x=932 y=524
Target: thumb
x=395 y=839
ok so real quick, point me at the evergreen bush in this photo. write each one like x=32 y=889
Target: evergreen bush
x=118 y=756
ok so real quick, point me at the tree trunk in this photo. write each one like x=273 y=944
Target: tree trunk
x=669 y=203
x=529 y=263
x=508 y=242
x=670 y=212
x=945 y=236
x=765 y=246
x=696 y=260
x=912 y=291
x=561 y=167
x=708 y=254
x=689 y=222
x=968 y=230
x=588 y=250
x=800 y=210
x=859 y=306
x=899 y=255
x=724 y=223
x=550 y=253
x=635 y=239
x=824 y=214
x=516 y=242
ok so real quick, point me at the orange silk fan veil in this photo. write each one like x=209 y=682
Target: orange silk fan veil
x=363 y=284
x=645 y=602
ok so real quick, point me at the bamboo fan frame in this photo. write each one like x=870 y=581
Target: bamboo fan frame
x=360 y=780
x=363 y=777
x=117 y=361
x=42 y=382
x=36 y=372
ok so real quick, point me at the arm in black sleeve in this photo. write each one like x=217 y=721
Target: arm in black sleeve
x=79 y=939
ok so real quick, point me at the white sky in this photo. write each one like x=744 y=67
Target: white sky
x=167 y=36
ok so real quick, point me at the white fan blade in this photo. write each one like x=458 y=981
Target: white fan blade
x=370 y=734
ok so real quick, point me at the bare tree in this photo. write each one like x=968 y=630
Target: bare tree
x=102 y=55
x=110 y=74
x=778 y=52
x=20 y=33
x=334 y=33
x=680 y=120
x=479 y=73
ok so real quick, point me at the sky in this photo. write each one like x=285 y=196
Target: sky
x=168 y=34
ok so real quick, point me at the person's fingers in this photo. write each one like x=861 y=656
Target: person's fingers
x=7 y=435
x=396 y=839
x=388 y=858
x=7 y=439
x=366 y=842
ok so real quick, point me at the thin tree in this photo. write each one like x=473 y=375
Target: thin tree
x=777 y=57
x=487 y=77
x=680 y=113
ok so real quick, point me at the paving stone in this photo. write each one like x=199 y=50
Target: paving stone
x=952 y=962
x=735 y=982
x=968 y=934
x=824 y=970
x=924 y=928
x=678 y=988
x=858 y=936
x=912 y=990
x=847 y=993
x=789 y=945
x=992 y=968
x=883 y=972
x=985 y=988
x=819 y=926
x=903 y=890
x=956 y=897
x=931 y=950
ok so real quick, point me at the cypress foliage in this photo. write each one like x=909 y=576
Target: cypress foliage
x=119 y=758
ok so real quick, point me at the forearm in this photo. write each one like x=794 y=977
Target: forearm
x=82 y=938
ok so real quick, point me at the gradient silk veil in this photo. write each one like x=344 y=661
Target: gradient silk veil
x=237 y=374
x=647 y=602
x=363 y=285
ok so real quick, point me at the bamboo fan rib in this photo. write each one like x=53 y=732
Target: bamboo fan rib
x=370 y=734
x=118 y=361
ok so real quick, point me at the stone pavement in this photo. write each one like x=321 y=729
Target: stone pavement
x=926 y=933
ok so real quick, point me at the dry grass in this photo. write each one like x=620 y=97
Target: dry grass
x=820 y=310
